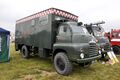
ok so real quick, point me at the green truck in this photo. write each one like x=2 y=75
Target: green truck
x=56 y=33
x=98 y=32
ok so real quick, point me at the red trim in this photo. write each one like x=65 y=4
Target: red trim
x=49 y=11
x=115 y=43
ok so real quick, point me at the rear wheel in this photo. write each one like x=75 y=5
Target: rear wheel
x=116 y=49
x=25 y=52
x=62 y=64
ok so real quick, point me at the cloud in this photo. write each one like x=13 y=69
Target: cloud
x=87 y=10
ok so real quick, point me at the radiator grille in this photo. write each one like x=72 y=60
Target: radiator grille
x=93 y=50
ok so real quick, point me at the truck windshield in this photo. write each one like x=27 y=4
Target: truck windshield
x=98 y=31
x=116 y=35
x=79 y=30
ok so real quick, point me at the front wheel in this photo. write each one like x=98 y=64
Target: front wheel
x=62 y=64
x=116 y=49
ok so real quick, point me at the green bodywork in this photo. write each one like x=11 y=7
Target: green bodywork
x=44 y=33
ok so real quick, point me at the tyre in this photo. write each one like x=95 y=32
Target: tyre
x=62 y=64
x=25 y=52
x=116 y=49
x=85 y=65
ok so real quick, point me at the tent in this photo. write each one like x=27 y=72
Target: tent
x=4 y=45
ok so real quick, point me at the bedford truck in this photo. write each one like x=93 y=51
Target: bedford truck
x=56 y=33
x=97 y=31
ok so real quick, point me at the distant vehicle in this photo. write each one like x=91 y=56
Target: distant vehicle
x=97 y=31
x=56 y=33
x=114 y=37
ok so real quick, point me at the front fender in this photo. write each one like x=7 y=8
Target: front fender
x=68 y=48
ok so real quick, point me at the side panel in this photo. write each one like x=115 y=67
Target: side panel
x=42 y=33
x=35 y=32
x=39 y=32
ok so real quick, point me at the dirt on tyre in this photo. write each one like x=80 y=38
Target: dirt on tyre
x=25 y=52
x=62 y=64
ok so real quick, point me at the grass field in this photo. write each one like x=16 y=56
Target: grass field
x=42 y=69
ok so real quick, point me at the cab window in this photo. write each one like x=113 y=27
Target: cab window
x=64 y=30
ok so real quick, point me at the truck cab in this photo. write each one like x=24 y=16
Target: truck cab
x=76 y=41
x=114 y=37
x=97 y=31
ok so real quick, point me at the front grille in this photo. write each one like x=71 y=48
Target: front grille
x=107 y=47
x=93 y=50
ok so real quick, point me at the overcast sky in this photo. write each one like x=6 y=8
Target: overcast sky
x=87 y=10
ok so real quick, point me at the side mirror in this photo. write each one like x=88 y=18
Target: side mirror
x=79 y=23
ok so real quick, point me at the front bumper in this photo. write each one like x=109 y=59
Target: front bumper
x=88 y=59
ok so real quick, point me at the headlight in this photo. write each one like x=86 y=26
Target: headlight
x=82 y=55
x=104 y=55
x=111 y=48
x=103 y=49
x=99 y=51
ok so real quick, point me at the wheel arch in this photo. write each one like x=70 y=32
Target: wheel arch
x=57 y=51
x=116 y=49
